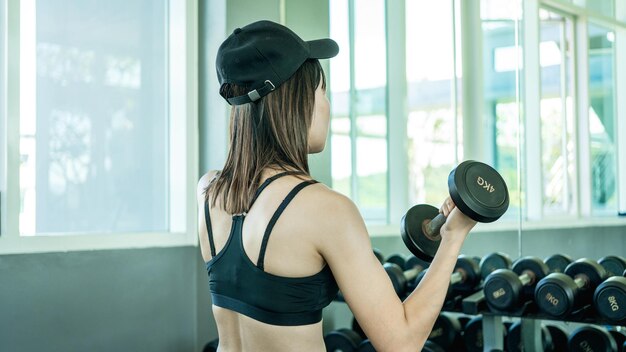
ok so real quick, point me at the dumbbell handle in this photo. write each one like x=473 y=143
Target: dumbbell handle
x=525 y=279
x=412 y=273
x=456 y=277
x=431 y=228
x=580 y=281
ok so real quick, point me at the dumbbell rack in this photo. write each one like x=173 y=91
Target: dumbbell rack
x=530 y=320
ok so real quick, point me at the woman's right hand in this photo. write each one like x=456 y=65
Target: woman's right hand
x=457 y=224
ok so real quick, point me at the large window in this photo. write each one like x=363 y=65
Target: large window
x=93 y=117
x=602 y=120
x=433 y=126
x=557 y=116
x=545 y=126
x=101 y=125
x=3 y=105
x=359 y=105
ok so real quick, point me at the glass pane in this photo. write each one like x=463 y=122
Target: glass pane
x=431 y=121
x=502 y=60
x=93 y=124
x=500 y=9
x=603 y=7
x=3 y=32
x=602 y=120
x=370 y=82
x=557 y=118
x=339 y=86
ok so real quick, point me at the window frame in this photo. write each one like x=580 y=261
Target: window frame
x=531 y=215
x=183 y=151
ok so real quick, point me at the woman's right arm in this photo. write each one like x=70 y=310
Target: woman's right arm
x=390 y=324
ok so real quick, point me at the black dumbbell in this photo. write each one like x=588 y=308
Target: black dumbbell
x=557 y=262
x=211 y=346
x=609 y=299
x=400 y=278
x=506 y=290
x=492 y=262
x=397 y=259
x=379 y=255
x=560 y=294
x=613 y=264
x=342 y=340
x=477 y=190
x=446 y=333
x=619 y=338
x=559 y=337
x=464 y=278
x=473 y=334
x=591 y=338
x=366 y=346
x=430 y=346
x=514 y=341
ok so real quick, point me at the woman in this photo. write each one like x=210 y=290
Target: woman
x=277 y=244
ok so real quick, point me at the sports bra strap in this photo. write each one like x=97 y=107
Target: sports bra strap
x=277 y=213
x=270 y=180
x=207 y=218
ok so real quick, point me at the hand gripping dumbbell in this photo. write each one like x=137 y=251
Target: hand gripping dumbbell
x=557 y=262
x=609 y=299
x=560 y=294
x=477 y=190
x=506 y=290
x=400 y=277
x=591 y=338
x=514 y=341
x=613 y=264
x=342 y=340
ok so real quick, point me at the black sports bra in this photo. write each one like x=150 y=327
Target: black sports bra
x=238 y=284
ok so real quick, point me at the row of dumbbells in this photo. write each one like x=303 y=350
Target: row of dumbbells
x=462 y=333
x=558 y=286
x=583 y=283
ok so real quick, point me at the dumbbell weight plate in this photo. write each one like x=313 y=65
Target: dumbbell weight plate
x=470 y=270
x=614 y=265
x=619 y=337
x=414 y=262
x=559 y=338
x=478 y=191
x=557 y=262
x=422 y=246
x=591 y=338
x=610 y=298
x=430 y=346
x=514 y=339
x=357 y=328
x=379 y=255
x=342 y=340
x=445 y=331
x=366 y=346
x=494 y=261
x=397 y=259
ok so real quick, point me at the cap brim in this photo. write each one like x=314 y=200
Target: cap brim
x=322 y=49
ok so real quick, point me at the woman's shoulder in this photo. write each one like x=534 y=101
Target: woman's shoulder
x=325 y=201
x=204 y=182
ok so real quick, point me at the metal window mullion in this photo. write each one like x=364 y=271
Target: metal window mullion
x=620 y=90
x=472 y=81
x=582 y=111
x=352 y=107
x=397 y=111
x=3 y=114
x=533 y=170
x=564 y=116
x=579 y=9
x=11 y=230
x=454 y=86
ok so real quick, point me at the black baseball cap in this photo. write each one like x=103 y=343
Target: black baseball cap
x=263 y=55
